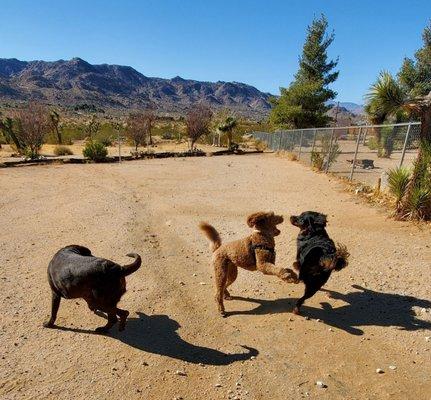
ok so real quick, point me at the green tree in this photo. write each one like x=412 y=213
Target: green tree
x=304 y=103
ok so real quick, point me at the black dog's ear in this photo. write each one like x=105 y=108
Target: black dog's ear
x=317 y=219
x=320 y=219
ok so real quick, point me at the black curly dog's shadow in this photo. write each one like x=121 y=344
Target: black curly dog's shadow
x=157 y=334
x=364 y=308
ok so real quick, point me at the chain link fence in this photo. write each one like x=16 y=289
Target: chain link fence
x=364 y=153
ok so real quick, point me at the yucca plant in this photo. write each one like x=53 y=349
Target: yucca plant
x=398 y=182
x=419 y=203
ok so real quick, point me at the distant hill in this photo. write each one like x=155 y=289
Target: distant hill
x=345 y=117
x=354 y=108
x=75 y=82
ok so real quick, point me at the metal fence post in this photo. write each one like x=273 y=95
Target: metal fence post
x=356 y=154
x=405 y=145
x=330 y=150
x=313 y=146
x=300 y=145
x=365 y=136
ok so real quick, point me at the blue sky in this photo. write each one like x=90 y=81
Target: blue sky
x=256 y=42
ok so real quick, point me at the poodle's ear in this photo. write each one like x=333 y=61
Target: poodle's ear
x=258 y=218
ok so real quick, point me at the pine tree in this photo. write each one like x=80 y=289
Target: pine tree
x=304 y=103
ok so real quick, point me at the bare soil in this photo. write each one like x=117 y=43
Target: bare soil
x=374 y=314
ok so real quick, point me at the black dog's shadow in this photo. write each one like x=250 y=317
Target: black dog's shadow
x=364 y=308
x=157 y=334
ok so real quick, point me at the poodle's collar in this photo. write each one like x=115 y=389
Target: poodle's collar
x=263 y=247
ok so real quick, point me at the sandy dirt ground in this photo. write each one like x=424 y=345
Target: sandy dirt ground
x=374 y=314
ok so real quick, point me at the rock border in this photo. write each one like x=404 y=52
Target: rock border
x=115 y=159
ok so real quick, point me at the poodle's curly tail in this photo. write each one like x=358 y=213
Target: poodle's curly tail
x=211 y=233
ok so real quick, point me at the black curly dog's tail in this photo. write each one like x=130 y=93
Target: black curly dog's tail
x=338 y=261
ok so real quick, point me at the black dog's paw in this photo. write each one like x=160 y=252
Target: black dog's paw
x=48 y=324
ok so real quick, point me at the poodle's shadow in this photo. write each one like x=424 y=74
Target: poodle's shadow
x=364 y=307
x=157 y=334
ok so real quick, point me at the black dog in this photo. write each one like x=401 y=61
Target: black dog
x=317 y=256
x=75 y=273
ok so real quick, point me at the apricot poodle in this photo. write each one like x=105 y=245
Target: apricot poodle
x=254 y=252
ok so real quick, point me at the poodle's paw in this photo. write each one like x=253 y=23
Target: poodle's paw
x=227 y=296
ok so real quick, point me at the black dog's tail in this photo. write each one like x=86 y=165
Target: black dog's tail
x=134 y=266
x=338 y=261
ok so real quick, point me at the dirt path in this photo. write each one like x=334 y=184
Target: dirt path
x=375 y=314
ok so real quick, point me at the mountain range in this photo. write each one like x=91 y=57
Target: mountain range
x=76 y=82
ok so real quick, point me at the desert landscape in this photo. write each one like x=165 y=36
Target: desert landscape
x=365 y=336
x=215 y=200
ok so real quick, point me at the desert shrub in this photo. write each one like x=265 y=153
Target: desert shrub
x=260 y=145
x=326 y=155
x=413 y=191
x=316 y=160
x=105 y=140
x=62 y=151
x=330 y=152
x=141 y=153
x=291 y=156
x=418 y=203
x=168 y=135
x=398 y=181
x=95 y=150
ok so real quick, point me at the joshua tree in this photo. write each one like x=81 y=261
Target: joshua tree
x=149 y=119
x=7 y=127
x=92 y=127
x=227 y=126
x=198 y=122
x=54 y=117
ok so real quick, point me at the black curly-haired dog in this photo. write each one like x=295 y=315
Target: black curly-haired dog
x=75 y=273
x=317 y=256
